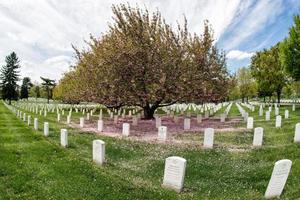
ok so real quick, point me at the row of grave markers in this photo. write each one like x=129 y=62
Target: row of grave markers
x=205 y=109
x=175 y=167
x=162 y=130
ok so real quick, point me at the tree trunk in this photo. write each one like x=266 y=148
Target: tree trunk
x=48 y=96
x=278 y=96
x=9 y=101
x=264 y=99
x=148 y=112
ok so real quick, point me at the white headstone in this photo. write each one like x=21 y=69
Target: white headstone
x=297 y=133
x=222 y=117
x=246 y=115
x=286 y=114
x=64 y=137
x=126 y=129
x=100 y=125
x=278 y=179
x=134 y=120
x=68 y=119
x=208 y=138
x=36 y=124
x=88 y=116
x=268 y=113
x=81 y=124
x=261 y=111
x=276 y=111
x=174 y=173
x=24 y=117
x=100 y=115
x=162 y=133
x=294 y=107
x=116 y=119
x=46 y=129
x=157 y=122
x=250 y=123
x=28 y=120
x=58 y=117
x=278 y=121
x=258 y=136
x=199 y=118
x=187 y=124
x=98 y=152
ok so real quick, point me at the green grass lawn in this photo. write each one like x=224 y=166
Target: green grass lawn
x=35 y=167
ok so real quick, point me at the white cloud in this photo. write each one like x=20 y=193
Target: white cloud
x=52 y=68
x=41 y=32
x=251 y=19
x=239 y=55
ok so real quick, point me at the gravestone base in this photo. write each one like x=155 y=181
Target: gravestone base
x=171 y=187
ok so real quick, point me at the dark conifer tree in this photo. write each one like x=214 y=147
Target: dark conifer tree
x=26 y=84
x=9 y=77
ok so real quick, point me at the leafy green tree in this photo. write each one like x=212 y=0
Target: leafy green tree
x=287 y=91
x=233 y=91
x=290 y=50
x=48 y=86
x=35 y=91
x=25 y=87
x=268 y=71
x=9 y=77
x=295 y=86
x=245 y=83
x=205 y=78
x=65 y=89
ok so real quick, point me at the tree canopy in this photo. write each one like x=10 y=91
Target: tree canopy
x=246 y=84
x=290 y=50
x=142 y=61
x=48 y=85
x=266 y=68
x=25 y=87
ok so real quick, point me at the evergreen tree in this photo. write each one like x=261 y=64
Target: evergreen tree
x=9 y=77
x=26 y=84
x=48 y=85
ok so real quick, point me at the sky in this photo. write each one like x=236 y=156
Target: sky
x=42 y=32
